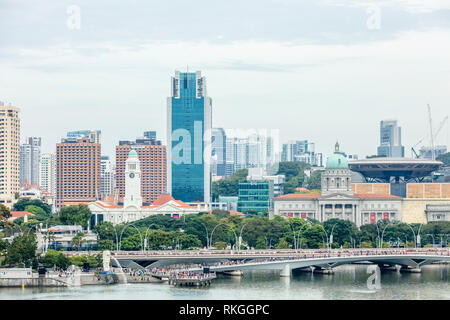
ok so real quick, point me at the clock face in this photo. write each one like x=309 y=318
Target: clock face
x=131 y=175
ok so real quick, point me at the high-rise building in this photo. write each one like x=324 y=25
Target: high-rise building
x=427 y=152
x=47 y=173
x=107 y=173
x=218 y=153
x=93 y=135
x=153 y=165
x=256 y=196
x=390 y=140
x=9 y=154
x=301 y=151
x=188 y=136
x=150 y=135
x=77 y=171
x=30 y=156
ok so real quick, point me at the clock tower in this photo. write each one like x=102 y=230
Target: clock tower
x=132 y=181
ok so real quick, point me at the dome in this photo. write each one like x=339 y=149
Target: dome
x=133 y=154
x=337 y=161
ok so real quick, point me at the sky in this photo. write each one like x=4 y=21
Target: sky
x=319 y=70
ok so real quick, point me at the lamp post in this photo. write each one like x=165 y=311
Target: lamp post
x=331 y=234
x=382 y=234
x=432 y=236
x=418 y=236
x=207 y=236
x=415 y=239
x=146 y=236
x=240 y=234
x=121 y=234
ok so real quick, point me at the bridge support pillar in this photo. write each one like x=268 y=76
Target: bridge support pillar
x=286 y=272
x=324 y=270
x=388 y=267
x=410 y=269
x=234 y=273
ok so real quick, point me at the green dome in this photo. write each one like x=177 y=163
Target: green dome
x=337 y=161
x=133 y=154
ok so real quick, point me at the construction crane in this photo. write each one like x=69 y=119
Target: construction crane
x=431 y=133
x=433 y=137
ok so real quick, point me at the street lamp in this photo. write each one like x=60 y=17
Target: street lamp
x=432 y=236
x=121 y=234
x=415 y=239
x=382 y=234
x=146 y=236
x=240 y=234
x=207 y=236
x=331 y=234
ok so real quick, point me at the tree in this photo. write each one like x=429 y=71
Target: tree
x=367 y=244
x=314 y=181
x=343 y=231
x=22 y=250
x=314 y=237
x=282 y=244
x=55 y=258
x=220 y=245
x=228 y=186
x=23 y=203
x=106 y=245
x=5 y=214
x=75 y=215
x=78 y=240
x=445 y=158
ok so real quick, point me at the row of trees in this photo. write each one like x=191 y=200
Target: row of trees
x=163 y=232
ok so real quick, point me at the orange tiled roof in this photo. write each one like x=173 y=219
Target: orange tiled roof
x=300 y=196
x=20 y=214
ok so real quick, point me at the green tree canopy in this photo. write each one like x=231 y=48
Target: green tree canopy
x=23 y=203
x=22 y=250
x=445 y=158
x=55 y=258
x=75 y=215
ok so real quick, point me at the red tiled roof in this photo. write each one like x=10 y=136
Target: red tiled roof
x=20 y=214
x=162 y=199
x=375 y=196
x=236 y=213
x=299 y=196
x=107 y=205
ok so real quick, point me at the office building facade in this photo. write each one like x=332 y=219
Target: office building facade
x=218 y=152
x=390 y=140
x=78 y=175
x=189 y=120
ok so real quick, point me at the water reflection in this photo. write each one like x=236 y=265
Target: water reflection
x=348 y=282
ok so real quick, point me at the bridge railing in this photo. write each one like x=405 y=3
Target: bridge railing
x=332 y=252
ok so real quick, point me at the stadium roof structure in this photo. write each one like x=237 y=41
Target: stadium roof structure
x=394 y=169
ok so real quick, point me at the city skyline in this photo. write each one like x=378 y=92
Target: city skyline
x=313 y=80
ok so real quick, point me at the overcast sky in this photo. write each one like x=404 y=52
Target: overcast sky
x=317 y=70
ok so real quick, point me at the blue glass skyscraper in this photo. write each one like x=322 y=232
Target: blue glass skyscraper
x=188 y=136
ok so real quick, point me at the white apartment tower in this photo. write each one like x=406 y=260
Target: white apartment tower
x=47 y=173
x=9 y=154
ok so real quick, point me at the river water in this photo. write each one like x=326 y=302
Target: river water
x=348 y=282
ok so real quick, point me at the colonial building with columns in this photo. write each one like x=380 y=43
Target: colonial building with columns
x=337 y=199
x=132 y=208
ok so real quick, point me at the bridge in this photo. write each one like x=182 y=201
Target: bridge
x=285 y=261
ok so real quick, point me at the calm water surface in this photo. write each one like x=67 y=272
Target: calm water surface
x=348 y=282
